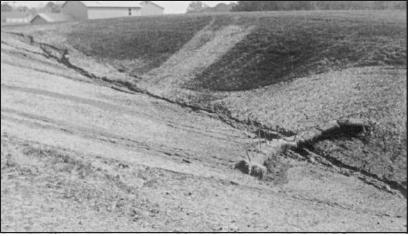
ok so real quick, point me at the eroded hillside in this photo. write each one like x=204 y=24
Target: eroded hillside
x=162 y=105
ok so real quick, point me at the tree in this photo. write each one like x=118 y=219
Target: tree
x=53 y=7
x=222 y=7
x=196 y=7
x=272 y=5
x=317 y=5
x=23 y=9
x=6 y=7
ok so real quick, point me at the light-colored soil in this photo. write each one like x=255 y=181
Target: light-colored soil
x=77 y=155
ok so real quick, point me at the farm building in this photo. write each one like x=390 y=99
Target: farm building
x=44 y=18
x=88 y=10
x=15 y=17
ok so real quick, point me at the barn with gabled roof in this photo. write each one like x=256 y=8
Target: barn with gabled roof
x=44 y=18
x=88 y=10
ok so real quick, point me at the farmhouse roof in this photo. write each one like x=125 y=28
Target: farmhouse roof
x=154 y=4
x=122 y=4
x=54 y=17
x=113 y=4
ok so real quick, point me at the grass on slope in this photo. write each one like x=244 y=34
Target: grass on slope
x=148 y=41
x=288 y=46
x=283 y=45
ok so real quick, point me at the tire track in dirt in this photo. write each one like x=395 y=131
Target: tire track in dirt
x=118 y=108
x=62 y=56
x=55 y=73
x=70 y=129
x=224 y=180
x=116 y=164
x=177 y=154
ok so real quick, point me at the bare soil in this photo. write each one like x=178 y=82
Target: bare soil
x=88 y=147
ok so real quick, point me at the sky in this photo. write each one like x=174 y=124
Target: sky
x=171 y=7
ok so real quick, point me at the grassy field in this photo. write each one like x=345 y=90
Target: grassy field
x=288 y=71
x=293 y=46
x=280 y=46
x=149 y=41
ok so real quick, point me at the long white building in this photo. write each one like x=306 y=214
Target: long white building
x=88 y=10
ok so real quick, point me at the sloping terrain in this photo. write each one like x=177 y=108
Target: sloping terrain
x=272 y=47
x=78 y=155
x=374 y=94
x=295 y=71
x=146 y=46
x=297 y=45
x=136 y=124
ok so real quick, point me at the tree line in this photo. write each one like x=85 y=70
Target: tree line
x=49 y=7
x=317 y=5
x=200 y=7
